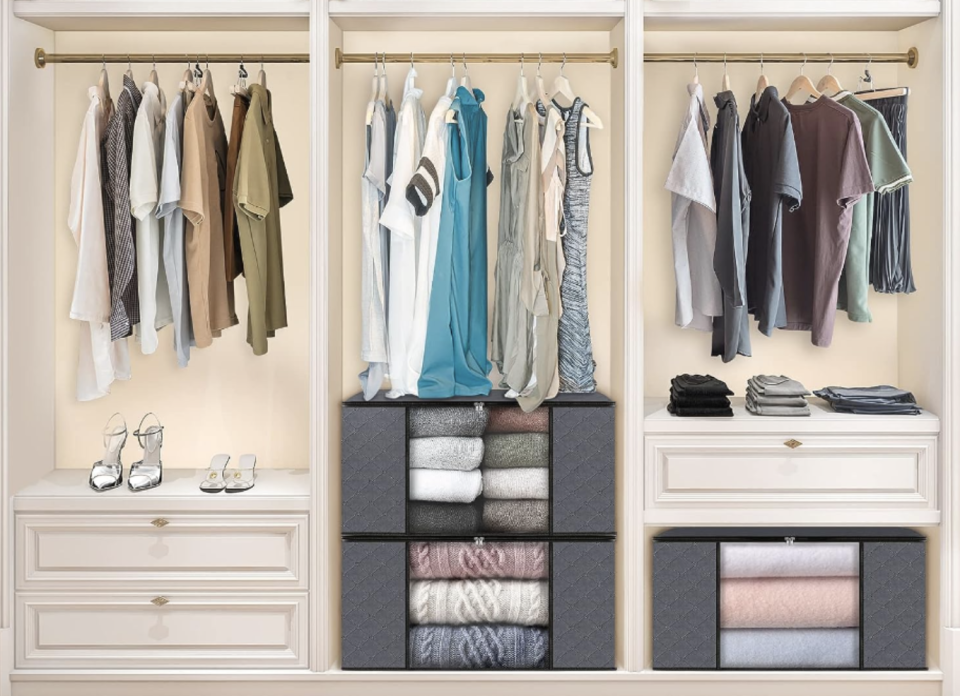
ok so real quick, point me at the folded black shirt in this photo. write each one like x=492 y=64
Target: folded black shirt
x=698 y=400
x=699 y=385
x=699 y=412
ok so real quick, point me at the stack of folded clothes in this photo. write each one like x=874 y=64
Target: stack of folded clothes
x=516 y=471
x=478 y=607
x=884 y=399
x=773 y=395
x=699 y=396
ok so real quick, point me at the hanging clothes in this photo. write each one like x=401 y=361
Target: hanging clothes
x=577 y=365
x=404 y=225
x=201 y=191
x=100 y=360
x=232 y=255
x=116 y=151
x=174 y=249
x=373 y=273
x=145 y=171
x=834 y=176
x=261 y=188
x=731 y=332
x=455 y=359
x=694 y=220
x=891 y=270
x=424 y=193
x=771 y=166
x=889 y=172
x=518 y=285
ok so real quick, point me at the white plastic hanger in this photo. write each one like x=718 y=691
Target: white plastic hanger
x=129 y=72
x=241 y=86
x=465 y=79
x=374 y=90
x=522 y=96
x=384 y=85
x=802 y=83
x=873 y=92
x=828 y=83
x=451 y=88
x=763 y=82
x=206 y=85
x=262 y=75
x=725 y=82
x=541 y=88
x=696 y=70
x=561 y=86
x=186 y=82
x=153 y=73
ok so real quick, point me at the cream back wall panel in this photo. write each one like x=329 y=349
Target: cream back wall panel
x=226 y=400
x=498 y=83
x=861 y=353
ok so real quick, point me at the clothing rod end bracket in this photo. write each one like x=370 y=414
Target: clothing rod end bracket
x=40 y=58
x=913 y=57
x=338 y=57
x=615 y=58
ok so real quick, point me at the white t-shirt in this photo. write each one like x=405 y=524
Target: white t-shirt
x=404 y=228
x=100 y=360
x=155 y=311
x=694 y=220
x=168 y=210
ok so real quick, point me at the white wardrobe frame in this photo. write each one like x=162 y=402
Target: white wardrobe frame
x=325 y=406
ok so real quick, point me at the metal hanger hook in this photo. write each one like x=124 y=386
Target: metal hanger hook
x=696 y=66
x=464 y=62
x=761 y=63
x=564 y=63
x=539 y=62
x=453 y=67
x=724 y=63
x=521 y=63
x=411 y=60
x=154 y=62
x=104 y=59
x=129 y=63
x=804 y=63
x=830 y=67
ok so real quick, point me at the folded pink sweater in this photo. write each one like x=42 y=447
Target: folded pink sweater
x=522 y=560
x=789 y=602
x=510 y=419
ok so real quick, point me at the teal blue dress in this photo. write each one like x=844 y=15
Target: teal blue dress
x=455 y=356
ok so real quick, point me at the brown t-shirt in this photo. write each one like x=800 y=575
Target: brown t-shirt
x=201 y=198
x=231 y=235
x=834 y=176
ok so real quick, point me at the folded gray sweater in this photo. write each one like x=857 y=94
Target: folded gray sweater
x=777 y=385
x=456 y=453
x=504 y=450
x=478 y=647
x=452 y=421
x=517 y=516
x=443 y=518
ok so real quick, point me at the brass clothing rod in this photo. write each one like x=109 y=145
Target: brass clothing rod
x=532 y=58
x=910 y=58
x=41 y=58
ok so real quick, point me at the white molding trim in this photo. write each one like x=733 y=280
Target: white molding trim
x=6 y=515
x=479 y=8
x=33 y=10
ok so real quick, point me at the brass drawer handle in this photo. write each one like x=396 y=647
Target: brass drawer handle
x=159 y=601
x=793 y=444
x=159 y=523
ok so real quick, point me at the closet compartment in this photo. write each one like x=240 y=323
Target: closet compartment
x=789 y=598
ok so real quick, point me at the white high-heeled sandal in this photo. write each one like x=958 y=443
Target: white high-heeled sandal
x=148 y=472
x=244 y=476
x=107 y=474
x=214 y=480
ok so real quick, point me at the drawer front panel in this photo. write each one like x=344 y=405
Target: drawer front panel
x=583 y=605
x=373 y=605
x=141 y=631
x=373 y=470
x=894 y=605
x=685 y=605
x=764 y=471
x=171 y=552
x=583 y=470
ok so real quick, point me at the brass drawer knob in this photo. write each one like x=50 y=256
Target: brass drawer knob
x=159 y=523
x=159 y=601
x=793 y=444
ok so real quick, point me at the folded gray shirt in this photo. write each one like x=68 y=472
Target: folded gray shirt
x=777 y=385
x=761 y=410
x=758 y=398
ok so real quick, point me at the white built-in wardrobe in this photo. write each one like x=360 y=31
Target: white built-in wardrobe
x=174 y=590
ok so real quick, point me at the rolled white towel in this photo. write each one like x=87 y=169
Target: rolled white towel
x=522 y=483
x=461 y=602
x=441 y=486
x=450 y=453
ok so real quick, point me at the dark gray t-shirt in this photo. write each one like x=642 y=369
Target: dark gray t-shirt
x=770 y=161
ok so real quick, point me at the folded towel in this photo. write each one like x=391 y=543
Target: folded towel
x=460 y=602
x=800 y=559
x=452 y=421
x=445 y=486
x=455 y=453
x=701 y=385
x=517 y=484
x=513 y=420
x=777 y=385
x=790 y=648
x=443 y=518
x=698 y=400
x=515 y=450
x=520 y=560
x=478 y=647
x=789 y=602
x=516 y=516
x=699 y=412
x=764 y=410
x=764 y=400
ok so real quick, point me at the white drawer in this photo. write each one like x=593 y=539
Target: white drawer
x=219 y=552
x=724 y=477
x=143 y=631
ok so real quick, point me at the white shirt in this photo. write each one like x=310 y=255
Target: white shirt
x=168 y=210
x=100 y=360
x=694 y=220
x=155 y=311
x=404 y=228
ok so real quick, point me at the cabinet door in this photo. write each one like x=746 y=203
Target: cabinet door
x=373 y=469
x=583 y=605
x=684 y=605
x=373 y=605
x=894 y=605
x=583 y=470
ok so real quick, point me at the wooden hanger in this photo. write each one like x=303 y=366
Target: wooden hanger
x=763 y=82
x=802 y=83
x=873 y=92
x=562 y=86
x=240 y=88
x=522 y=96
x=262 y=75
x=103 y=87
x=828 y=83
x=153 y=73
x=725 y=82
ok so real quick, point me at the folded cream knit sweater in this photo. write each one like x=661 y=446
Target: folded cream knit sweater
x=462 y=602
